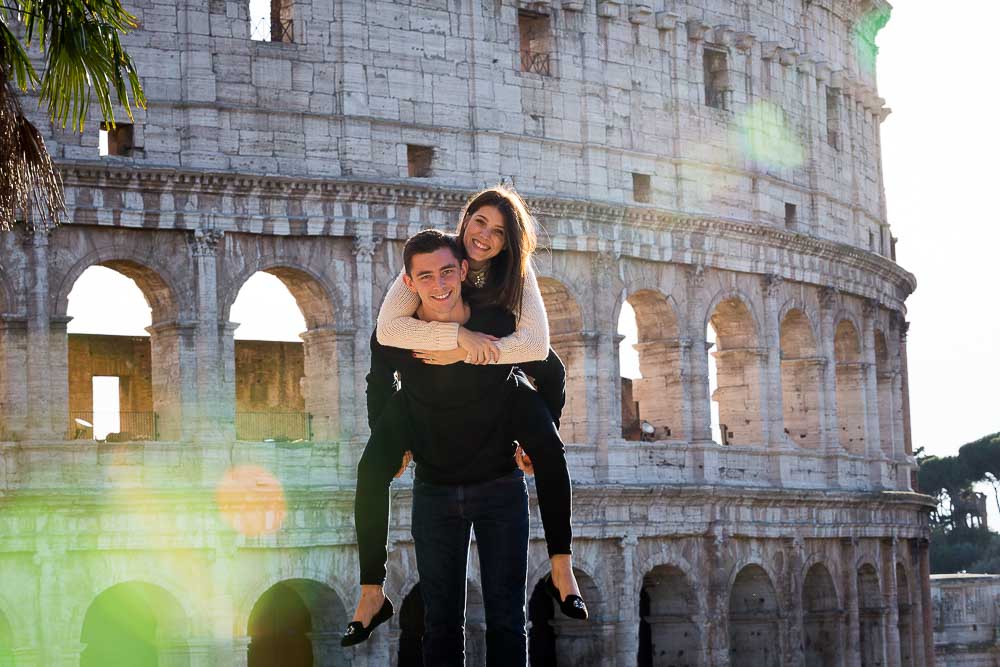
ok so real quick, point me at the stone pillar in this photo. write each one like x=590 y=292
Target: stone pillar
x=904 y=327
x=365 y=247
x=926 y=624
x=917 y=627
x=329 y=383
x=660 y=391
x=772 y=411
x=827 y=333
x=873 y=445
x=852 y=652
x=58 y=354
x=216 y=407
x=700 y=408
x=889 y=560
x=606 y=424
x=38 y=370
x=13 y=376
x=716 y=626
x=240 y=648
x=56 y=648
x=174 y=380
x=794 y=619
x=577 y=351
x=627 y=630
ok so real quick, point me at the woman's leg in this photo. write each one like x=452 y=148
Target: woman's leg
x=531 y=426
x=379 y=463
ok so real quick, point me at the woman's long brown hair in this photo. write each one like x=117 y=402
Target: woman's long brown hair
x=505 y=282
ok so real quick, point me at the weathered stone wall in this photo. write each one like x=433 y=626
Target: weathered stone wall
x=966 y=619
x=764 y=219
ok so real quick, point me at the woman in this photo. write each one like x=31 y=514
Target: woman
x=499 y=238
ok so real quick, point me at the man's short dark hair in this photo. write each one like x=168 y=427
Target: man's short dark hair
x=428 y=241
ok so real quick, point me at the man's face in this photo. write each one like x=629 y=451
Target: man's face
x=437 y=277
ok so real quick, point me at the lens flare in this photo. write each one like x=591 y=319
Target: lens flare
x=865 y=31
x=767 y=138
x=251 y=500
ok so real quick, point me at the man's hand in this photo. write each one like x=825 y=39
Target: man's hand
x=524 y=461
x=481 y=348
x=441 y=357
x=407 y=457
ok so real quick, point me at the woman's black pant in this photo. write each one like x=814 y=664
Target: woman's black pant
x=528 y=422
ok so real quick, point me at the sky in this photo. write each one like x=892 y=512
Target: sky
x=939 y=148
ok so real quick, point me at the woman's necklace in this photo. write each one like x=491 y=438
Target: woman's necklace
x=478 y=276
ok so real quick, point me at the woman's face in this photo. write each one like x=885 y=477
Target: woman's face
x=485 y=235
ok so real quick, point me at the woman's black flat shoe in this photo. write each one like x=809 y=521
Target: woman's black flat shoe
x=573 y=606
x=357 y=633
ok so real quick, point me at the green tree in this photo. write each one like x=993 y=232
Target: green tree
x=960 y=540
x=81 y=59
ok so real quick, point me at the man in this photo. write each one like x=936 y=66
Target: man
x=456 y=419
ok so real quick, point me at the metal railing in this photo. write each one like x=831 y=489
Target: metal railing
x=537 y=63
x=133 y=426
x=273 y=426
x=273 y=30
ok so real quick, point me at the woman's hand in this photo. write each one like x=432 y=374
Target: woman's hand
x=524 y=461
x=441 y=357
x=481 y=348
x=407 y=457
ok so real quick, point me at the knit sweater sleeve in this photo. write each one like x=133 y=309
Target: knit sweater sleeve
x=397 y=327
x=530 y=340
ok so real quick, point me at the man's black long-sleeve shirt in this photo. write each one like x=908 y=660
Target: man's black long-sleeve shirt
x=457 y=413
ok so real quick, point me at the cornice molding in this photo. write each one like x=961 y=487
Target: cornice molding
x=553 y=210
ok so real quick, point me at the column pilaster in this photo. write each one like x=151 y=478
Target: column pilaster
x=216 y=407
x=892 y=647
x=853 y=649
x=174 y=380
x=627 y=629
x=13 y=376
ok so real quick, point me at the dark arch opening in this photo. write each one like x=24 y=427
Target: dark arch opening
x=290 y=626
x=753 y=620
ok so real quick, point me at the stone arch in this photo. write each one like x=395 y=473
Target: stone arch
x=822 y=619
x=801 y=379
x=871 y=610
x=557 y=639
x=754 y=639
x=288 y=570
x=317 y=379
x=135 y=624
x=739 y=363
x=155 y=279
x=904 y=602
x=568 y=339
x=884 y=381
x=668 y=612
x=151 y=399
x=315 y=296
x=850 y=386
x=659 y=394
x=296 y=622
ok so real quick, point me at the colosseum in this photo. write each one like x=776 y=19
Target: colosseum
x=715 y=165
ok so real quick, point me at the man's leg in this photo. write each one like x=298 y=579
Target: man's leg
x=499 y=510
x=441 y=535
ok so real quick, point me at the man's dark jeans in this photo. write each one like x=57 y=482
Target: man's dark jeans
x=443 y=518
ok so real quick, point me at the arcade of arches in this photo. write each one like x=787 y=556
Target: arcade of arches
x=692 y=550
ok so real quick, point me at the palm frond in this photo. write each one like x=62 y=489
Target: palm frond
x=31 y=191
